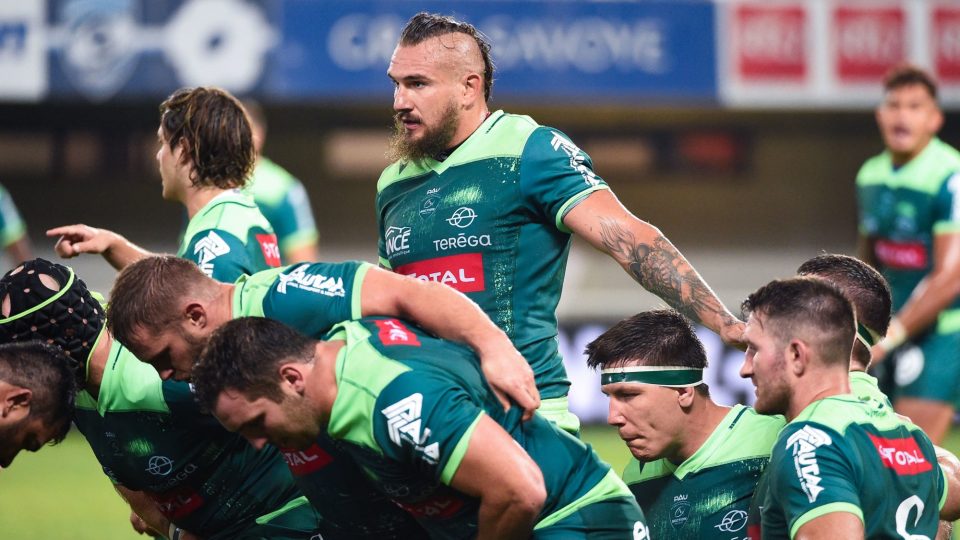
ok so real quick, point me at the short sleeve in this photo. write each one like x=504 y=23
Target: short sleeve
x=312 y=297
x=220 y=255
x=809 y=475
x=555 y=175
x=425 y=422
x=381 y=239
x=292 y=218
x=947 y=219
x=12 y=227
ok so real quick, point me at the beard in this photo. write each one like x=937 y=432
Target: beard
x=433 y=142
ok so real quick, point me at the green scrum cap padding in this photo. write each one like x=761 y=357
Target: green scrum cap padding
x=66 y=315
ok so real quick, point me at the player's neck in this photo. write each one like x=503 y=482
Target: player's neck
x=321 y=387
x=899 y=159
x=97 y=364
x=220 y=310
x=196 y=198
x=701 y=422
x=470 y=120
x=818 y=385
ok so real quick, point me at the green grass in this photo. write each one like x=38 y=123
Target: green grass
x=60 y=492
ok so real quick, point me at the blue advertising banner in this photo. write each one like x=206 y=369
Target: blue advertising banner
x=316 y=50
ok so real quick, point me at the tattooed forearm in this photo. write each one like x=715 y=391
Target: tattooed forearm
x=662 y=270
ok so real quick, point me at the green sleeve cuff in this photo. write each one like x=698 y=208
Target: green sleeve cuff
x=822 y=511
x=356 y=295
x=946 y=489
x=946 y=227
x=453 y=463
x=385 y=264
x=573 y=201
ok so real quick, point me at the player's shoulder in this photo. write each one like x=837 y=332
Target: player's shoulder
x=637 y=472
x=875 y=169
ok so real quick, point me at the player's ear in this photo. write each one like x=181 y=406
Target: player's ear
x=798 y=355
x=293 y=377
x=195 y=314
x=685 y=397
x=472 y=86
x=15 y=400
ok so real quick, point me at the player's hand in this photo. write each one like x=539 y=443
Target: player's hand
x=141 y=526
x=732 y=334
x=77 y=239
x=510 y=377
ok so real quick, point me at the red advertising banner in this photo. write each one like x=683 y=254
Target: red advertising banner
x=770 y=42
x=868 y=41
x=946 y=42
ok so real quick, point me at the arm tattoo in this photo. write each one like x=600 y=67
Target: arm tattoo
x=662 y=270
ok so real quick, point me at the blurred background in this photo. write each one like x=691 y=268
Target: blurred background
x=737 y=127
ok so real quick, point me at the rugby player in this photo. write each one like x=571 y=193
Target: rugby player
x=486 y=202
x=842 y=467
x=13 y=231
x=281 y=198
x=416 y=413
x=696 y=463
x=177 y=467
x=37 y=390
x=910 y=231
x=206 y=156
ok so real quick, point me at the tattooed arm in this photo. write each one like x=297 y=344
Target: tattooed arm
x=650 y=259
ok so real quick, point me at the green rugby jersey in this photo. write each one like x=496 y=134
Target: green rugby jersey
x=406 y=407
x=866 y=387
x=12 y=227
x=149 y=435
x=312 y=298
x=902 y=209
x=284 y=202
x=229 y=237
x=709 y=494
x=842 y=454
x=488 y=221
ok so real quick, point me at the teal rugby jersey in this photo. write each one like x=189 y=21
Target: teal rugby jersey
x=229 y=237
x=709 y=494
x=312 y=298
x=12 y=227
x=866 y=387
x=284 y=202
x=406 y=407
x=903 y=209
x=149 y=435
x=842 y=454
x=488 y=221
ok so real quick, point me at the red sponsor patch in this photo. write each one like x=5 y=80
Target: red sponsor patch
x=393 y=332
x=901 y=255
x=178 y=503
x=753 y=531
x=901 y=455
x=868 y=41
x=462 y=272
x=770 y=41
x=946 y=42
x=304 y=462
x=439 y=507
x=270 y=248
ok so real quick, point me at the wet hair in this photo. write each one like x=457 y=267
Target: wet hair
x=424 y=26
x=813 y=306
x=866 y=289
x=652 y=338
x=906 y=75
x=146 y=295
x=244 y=355
x=46 y=372
x=214 y=131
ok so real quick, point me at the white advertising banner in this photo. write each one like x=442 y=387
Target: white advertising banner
x=23 y=60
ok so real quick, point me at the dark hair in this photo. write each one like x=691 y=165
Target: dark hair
x=907 y=74
x=866 y=289
x=652 y=338
x=814 y=305
x=243 y=355
x=424 y=26
x=45 y=371
x=146 y=295
x=215 y=133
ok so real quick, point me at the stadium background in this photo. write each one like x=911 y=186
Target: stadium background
x=735 y=126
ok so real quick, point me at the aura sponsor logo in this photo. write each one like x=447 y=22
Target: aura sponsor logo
x=803 y=444
x=299 y=278
x=462 y=240
x=397 y=240
x=462 y=272
x=577 y=158
x=902 y=455
x=394 y=332
x=404 y=425
x=901 y=255
x=270 y=248
x=209 y=248
x=304 y=462
x=462 y=217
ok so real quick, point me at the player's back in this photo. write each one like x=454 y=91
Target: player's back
x=858 y=456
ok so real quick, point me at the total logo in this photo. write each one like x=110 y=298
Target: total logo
x=397 y=240
x=462 y=272
x=462 y=217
